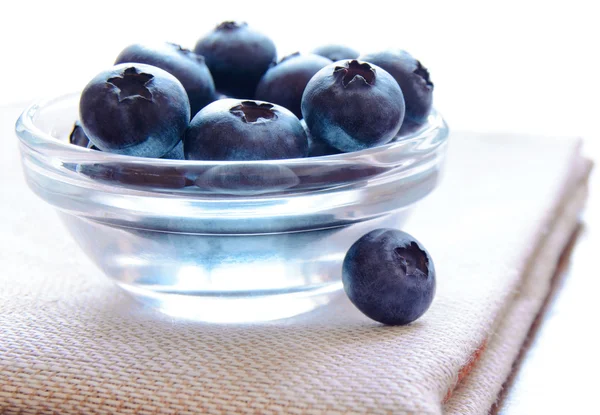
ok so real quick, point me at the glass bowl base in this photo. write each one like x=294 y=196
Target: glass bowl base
x=215 y=308
x=225 y=278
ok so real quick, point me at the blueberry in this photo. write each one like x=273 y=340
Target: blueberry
x=189 y=68
x=414 y=81
x=134 y=109
x=389 y=276
x=284 y=83
x=353 y=105
x=336 y=52
x=176 y=153
x=231 y=129
x=237 y=57
x=316 y=147
x=79 y=137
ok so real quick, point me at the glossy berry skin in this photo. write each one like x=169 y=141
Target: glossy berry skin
x=389 y=276
x=284 y=83
x=237 y=57
x=134 y=109
x=353 y=105
x=79 y=138
x=176 y=153
x=336 y=52
x=232 y=129
x=414 y=81
x=189 y=68
x=317 y=148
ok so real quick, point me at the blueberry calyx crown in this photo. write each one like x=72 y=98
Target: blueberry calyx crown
x=251 y=111
x=354 y=70
x=184 y=51
x=231 y=25
x=132 y=84
x=423 y=73
x=178 y=47
x=291 y=55
x=413 y=260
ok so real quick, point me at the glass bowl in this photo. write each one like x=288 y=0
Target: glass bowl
x=224 y=241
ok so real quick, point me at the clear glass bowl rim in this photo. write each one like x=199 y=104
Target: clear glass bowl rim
x=26 y=123
x=321 y=191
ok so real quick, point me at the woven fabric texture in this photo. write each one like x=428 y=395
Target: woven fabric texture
x=72 y=343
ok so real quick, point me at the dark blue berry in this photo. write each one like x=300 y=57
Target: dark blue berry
x=231 y=129
x=79 y=138
x=353 y=105
x=389 y=276
x=134 y=109
x=176 y=153
x=284 y=83
x=336 y=52
x=237 y=57
x=317 y=148
x=414 y=81
x=189 y=68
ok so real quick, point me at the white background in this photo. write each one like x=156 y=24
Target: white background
x=523 y=66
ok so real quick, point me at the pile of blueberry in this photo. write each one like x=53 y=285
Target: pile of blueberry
x=230 y=100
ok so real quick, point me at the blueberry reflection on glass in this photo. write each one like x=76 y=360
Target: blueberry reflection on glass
x=336 y=52
x=389 y=276
x=414 y=80
x=188 y=67
x=237 y=57
x=134 y=109
x=136 y=174
x=284 y=83
x=231 y=129
x=247 y=179
x=353 y=105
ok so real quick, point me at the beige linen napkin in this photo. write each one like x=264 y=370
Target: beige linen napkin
x=72 y=343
